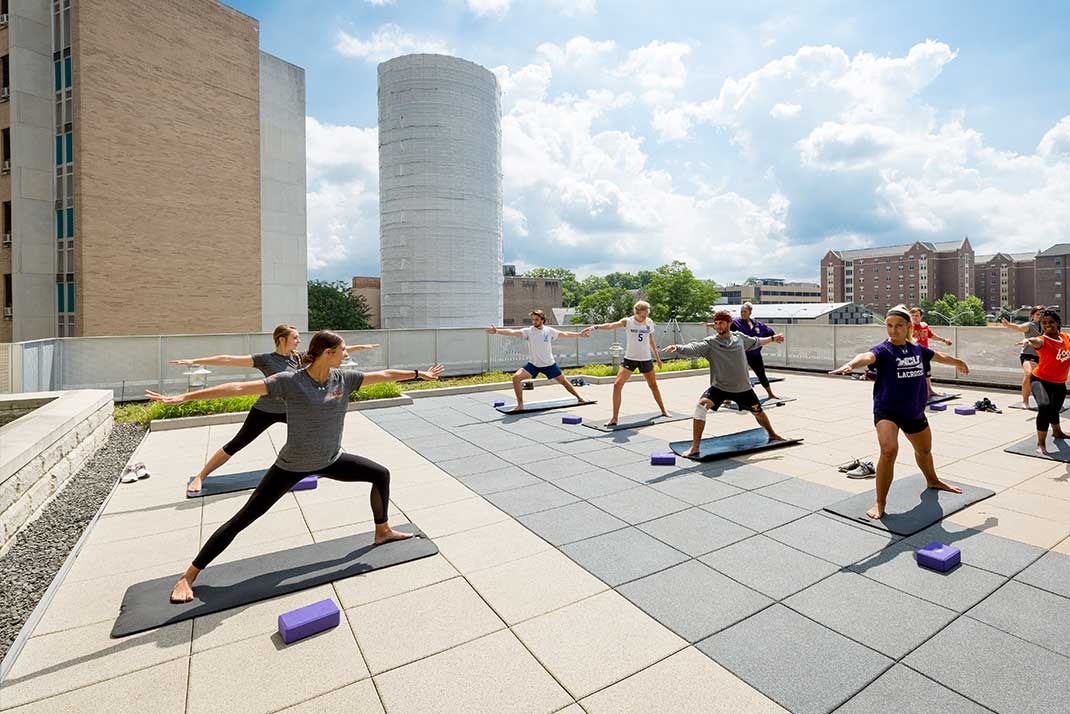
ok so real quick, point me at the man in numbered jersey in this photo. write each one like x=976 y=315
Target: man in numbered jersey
x=640 y=354
x=540 y=339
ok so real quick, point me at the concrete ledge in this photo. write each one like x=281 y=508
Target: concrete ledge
x=239 y=417
x=31 y=434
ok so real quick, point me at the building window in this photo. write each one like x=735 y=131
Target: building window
x=59 y=150
x=7 y=290
x=59 y=298
x=7 y=217
x=70 y=295
x=70 y=222
x=59 y=224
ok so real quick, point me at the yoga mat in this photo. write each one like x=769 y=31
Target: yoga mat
x=221 y=587
x=1017 y=404
x=767 y=403
x=742 y=442
x=911 y=506
x=636 y=422
x=228 y=483
x=755 y=380
x=1058 y=449
x=946 y=397
x=543 y=406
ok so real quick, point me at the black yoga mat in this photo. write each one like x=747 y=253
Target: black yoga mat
x=1058 y=449
x=911 y=506
x=543 y=406
x=755 y=380
x=742 y=442
x=639 y=421
x=1017 y=404
x=227 y=483
x=767 y=403
x=946 y=397
x=221 y=587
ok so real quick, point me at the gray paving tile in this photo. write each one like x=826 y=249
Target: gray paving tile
x=695 y=488
x=980 y=549
x=623 y=555
x=746 y=476
x=530 y=499
x=769 y=567
x=556 y=468
x=474 y=464
x=755 y=512
x=693 y=600
x=646 y=446
x=1000 y=671
x=1051 y=573
x=608 y=458
x=644 y=472
x=639 y=504
x=572 y=522
x=592 y=484
x=581 y=446
x=958 y=589
x=889 y=621
x=903 y=691
x=804 y=494
x=1030 y=613
x=527 y=454
x=499 y=480
x=695 y=531
x=804 y=667
x=832 y=539
x=449 y=451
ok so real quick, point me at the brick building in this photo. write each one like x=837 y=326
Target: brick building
x=1005 y=279
x=882 y=277
x=1052 y=276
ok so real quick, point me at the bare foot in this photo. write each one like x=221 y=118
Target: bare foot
x=1042 y=449
x=941 y=486
x=666 y=414
x=611 y=422
x=182 y=591
x=385 y=535
x=776 y=437
x=517 y=408
x=690 y=453
x=876 y=512
x=773 y=396
x=1059 y=435
x=585 y=401
x=195 y=485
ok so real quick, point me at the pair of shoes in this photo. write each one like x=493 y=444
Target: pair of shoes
x=134 y=472
x=986 y=405
x=850 y=465
x=578 y=382
x=863 y=470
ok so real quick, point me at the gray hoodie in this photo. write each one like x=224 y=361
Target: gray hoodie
x=727 y=357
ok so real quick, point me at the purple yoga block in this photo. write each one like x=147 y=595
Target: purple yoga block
x=663 y=459
x=937 y=556
x=308 y=620
x=499 y=402
x=938 y=407
x=571 y=419
x=965 y=410
x=308 y=482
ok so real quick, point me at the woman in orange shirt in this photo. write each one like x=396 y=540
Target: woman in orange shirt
x=1049 y=377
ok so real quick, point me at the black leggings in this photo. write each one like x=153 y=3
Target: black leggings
x=1050 y=397
x=757 y=365
x=255 y=424
x=277 y=482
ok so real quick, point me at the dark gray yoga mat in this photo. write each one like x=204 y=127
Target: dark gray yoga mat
x=544 y=406
x=742 y=442
x=1016 y=404
x=767 y=403
x=228 y=483
x=945 y=397
x=221 y=587
x=755 y=380
x=911 y=506
x=1058 y=449
x=636 y=422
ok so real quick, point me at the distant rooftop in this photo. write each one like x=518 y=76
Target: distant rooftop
x=891 y=250
x=787 y=310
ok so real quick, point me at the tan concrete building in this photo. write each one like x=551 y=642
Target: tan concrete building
x=771 y=291
x=371 y=289
x=156 y=177
x=521 y=295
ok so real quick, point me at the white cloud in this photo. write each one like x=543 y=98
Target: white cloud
x=658 y=69
x=580 y=51
x=489 y=7
x=574 y=7
x=785 y=111
x=380 y=3
x=387 y=42
x=527 y=84
x=1056 y=142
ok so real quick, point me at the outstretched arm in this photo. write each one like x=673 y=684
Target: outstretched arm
x=217 y=361
x=230 y=389
x=586 y=332
x=859 y=360
x=771 y=338
x=691 y=349
x=934 y=336
x=1034 y=342
x=1011 y=326
x=350 y=349
x=400 y=375
x=492 y=330
x=945 y=358
x=610 y=325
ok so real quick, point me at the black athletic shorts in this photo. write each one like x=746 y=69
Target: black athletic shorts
x=643 y=365
x=746 y=400
x=1023 y=358
x=906 y=425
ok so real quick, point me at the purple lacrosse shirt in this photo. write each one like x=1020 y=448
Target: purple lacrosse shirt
x=754 y=329
x=900 y=388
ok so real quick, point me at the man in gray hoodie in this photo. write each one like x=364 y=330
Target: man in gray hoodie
x=729 y=379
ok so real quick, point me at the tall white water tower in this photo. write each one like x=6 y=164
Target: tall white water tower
x=440 y=193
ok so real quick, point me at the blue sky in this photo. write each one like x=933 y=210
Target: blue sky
x=747 y=141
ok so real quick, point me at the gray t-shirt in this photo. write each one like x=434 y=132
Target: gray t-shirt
x=315 y=415
x=1032 y=329
x=270 y=363
x=727 y=357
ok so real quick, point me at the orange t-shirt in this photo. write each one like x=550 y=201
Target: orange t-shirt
x=1054 y=359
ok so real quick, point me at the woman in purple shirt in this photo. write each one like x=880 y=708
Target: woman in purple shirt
x=900 y=395
x=745 y=325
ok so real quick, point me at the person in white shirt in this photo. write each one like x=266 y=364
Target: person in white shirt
x=640 y=354
x=541 y=360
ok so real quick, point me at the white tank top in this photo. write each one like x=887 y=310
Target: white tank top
x=639 y=339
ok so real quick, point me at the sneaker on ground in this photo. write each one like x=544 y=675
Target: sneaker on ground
x=863 y=470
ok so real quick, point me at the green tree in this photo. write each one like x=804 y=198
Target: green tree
x=606 y=305
x=949 y=309
x=333 y=306
x=645 y=276
x=675 y=292
x=570 y=287
x=592 y=284
x=628 y=281
x=751 y=281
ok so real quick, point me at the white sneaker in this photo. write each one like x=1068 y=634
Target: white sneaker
x=142 y=470
x=129 y=474
x=863 y=470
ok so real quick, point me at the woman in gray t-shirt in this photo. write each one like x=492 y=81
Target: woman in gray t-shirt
x=316 y=399
x=267 y=410
x=1028 y=356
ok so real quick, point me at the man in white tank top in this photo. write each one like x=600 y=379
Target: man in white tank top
x=640 y=354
